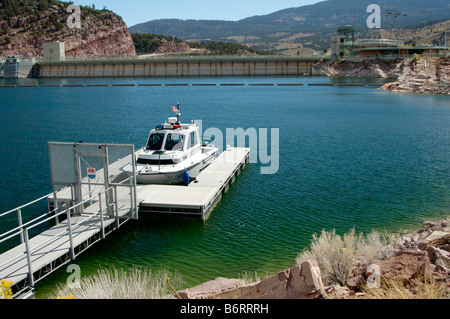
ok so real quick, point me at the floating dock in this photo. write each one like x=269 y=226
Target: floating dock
x=35 y=258
x=195 y=200
x=198 y=198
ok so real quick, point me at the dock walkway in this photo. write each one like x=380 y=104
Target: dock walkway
x=61 y=243
x=35 y=258
x=198 y=198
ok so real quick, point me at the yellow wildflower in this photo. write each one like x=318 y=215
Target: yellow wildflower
x=5 y=289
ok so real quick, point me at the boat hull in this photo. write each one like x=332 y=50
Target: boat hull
x=173 y=175
x=171 y=178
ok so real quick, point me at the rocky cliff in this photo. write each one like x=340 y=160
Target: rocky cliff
x=427 y=75
x=348 y=68
x=418 y=74
x=25 y=25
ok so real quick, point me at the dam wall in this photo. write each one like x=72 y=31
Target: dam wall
x=177 y=67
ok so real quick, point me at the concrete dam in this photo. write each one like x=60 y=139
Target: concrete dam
x=178 y=67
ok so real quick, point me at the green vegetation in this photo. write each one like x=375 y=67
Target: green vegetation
x=226 y=48
x=32 y=11
x=12 y=8
x=149 y=43
x=308 y=27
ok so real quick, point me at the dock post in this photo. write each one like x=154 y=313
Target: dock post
x=69 y=224
x=116 y=204
x=19 y=218
x=30 y=269
x=55 y=207
x=101 y=215
x=78 y=193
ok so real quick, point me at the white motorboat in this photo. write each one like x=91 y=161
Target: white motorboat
x=174 y=154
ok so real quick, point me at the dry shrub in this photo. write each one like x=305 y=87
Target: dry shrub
x=338 y=257
x=426 y=287
x=120 y=284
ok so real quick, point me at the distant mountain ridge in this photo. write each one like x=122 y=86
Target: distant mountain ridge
x=303 y=24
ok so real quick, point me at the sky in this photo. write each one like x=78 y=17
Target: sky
x=139 y=11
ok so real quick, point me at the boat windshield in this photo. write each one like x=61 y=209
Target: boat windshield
x=155 y=141
x=174 y=142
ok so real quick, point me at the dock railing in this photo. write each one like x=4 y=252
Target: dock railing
x=20 y=228
x=69 y=212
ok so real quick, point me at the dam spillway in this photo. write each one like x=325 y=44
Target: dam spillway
x=178 y=67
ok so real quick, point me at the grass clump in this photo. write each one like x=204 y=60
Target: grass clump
x=120 y=284
x=426 y=287
x=339 y=257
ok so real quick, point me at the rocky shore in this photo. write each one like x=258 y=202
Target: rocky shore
x=424 y=253
x=418 y=74
x=349 y=68
x=425 y=75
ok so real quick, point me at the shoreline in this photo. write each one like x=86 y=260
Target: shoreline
x=417 y=253
x=418 y=74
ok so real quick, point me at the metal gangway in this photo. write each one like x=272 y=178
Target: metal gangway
x=78 y=215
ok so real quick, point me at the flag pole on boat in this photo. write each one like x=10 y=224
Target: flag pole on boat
x=176 y=110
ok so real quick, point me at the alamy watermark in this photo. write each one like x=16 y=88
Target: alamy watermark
x=74 y=19
x=374 y=279
x=258 y=142
x=374 y=19
x=73 y=281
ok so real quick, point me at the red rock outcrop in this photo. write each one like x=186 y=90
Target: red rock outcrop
x=172 y=47
x=302 y=281
x=102 y=34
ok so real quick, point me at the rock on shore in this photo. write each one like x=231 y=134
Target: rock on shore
x=425 y=252
x=299 y=282
x=365 y=68
x=418 y=74
x=426 y=75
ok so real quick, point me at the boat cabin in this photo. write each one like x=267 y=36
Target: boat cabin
x=169 y=142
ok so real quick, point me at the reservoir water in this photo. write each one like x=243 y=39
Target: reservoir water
x=349 y=157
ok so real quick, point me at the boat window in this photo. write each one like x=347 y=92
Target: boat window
x=174 y=142
x=195 y=138
x=190 y=142
x=155 y=141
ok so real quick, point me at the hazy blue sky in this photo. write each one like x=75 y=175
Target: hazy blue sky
x=138 y=11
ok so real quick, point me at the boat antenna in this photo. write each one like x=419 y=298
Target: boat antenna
x=178 y=113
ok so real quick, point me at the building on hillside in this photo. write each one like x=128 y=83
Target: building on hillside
x=54 y=51
x=342 y=45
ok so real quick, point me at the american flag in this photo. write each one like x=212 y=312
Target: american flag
x=175 y=108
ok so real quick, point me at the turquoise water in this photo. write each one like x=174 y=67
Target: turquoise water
x=349 y=157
